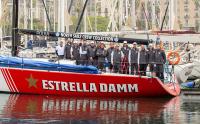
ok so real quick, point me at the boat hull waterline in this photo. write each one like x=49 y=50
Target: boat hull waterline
x=31 y=81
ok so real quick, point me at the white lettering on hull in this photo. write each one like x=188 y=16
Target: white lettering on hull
x=89 y=87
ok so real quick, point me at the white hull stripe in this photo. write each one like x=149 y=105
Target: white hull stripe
x=11 y=80
x=6 y=80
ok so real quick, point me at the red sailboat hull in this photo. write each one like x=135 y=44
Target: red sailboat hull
x=80 y=85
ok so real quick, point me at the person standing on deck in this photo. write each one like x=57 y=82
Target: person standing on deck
x=83 y=53
x=133 y=59
x=92 y=54
x=75 y=52
x=116 y=57
x=60 y=50
x=143 y=59
x=160 y=60
x=68 y=50
x=109 y=51
x=101 y=54
x=124 y=64
x=151 y=59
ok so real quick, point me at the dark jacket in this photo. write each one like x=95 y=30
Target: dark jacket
x=91 y=52
x=160 y=57
x=133 y=55
x=116 y=56
x=151 y=56
x=109 y=51
x=143 y=57
x=67 y=54
x=101 y=53
x=75 y=52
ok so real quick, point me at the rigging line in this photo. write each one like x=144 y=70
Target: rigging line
x=161 y=28
x=147 y=20
x=70 y=6
x=80 y=19
x=47 y=14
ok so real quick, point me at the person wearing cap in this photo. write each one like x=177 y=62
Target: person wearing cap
x=101 y=54
x=133 y=59
x=109 y=51
x=116 y=57
x=124 y=64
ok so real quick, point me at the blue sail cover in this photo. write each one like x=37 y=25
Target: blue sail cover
x=17 y=62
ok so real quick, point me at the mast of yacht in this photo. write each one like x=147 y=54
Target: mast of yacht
x=15 y=27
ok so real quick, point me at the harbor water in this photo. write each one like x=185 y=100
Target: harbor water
x=56 y=109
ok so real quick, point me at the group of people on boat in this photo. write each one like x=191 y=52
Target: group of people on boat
x=127 y=59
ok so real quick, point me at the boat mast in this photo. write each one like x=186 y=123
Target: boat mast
x=15 y=27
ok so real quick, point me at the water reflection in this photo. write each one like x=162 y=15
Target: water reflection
x=54 y=109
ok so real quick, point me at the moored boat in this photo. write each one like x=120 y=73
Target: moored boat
x=79 y=82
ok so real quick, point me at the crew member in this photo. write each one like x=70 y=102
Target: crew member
x=68 y=50
x=151 y=59
x=109 y=51
x=83 y=53
x=124 y=64
x=143 y=60
x=101 y=54
x=92 y=54
x=75 y=52
x=116 y=57
x=133 y=59
x=160 y=60
x=60 y=50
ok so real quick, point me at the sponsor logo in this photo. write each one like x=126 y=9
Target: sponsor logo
x=57 y=34
x=116 y=39
x=88 y=87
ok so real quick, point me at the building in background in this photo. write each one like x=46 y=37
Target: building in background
x=102 y=15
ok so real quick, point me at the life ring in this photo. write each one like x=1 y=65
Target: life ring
x=173 y=58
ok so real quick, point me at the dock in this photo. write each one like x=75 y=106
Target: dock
x=195 y=91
